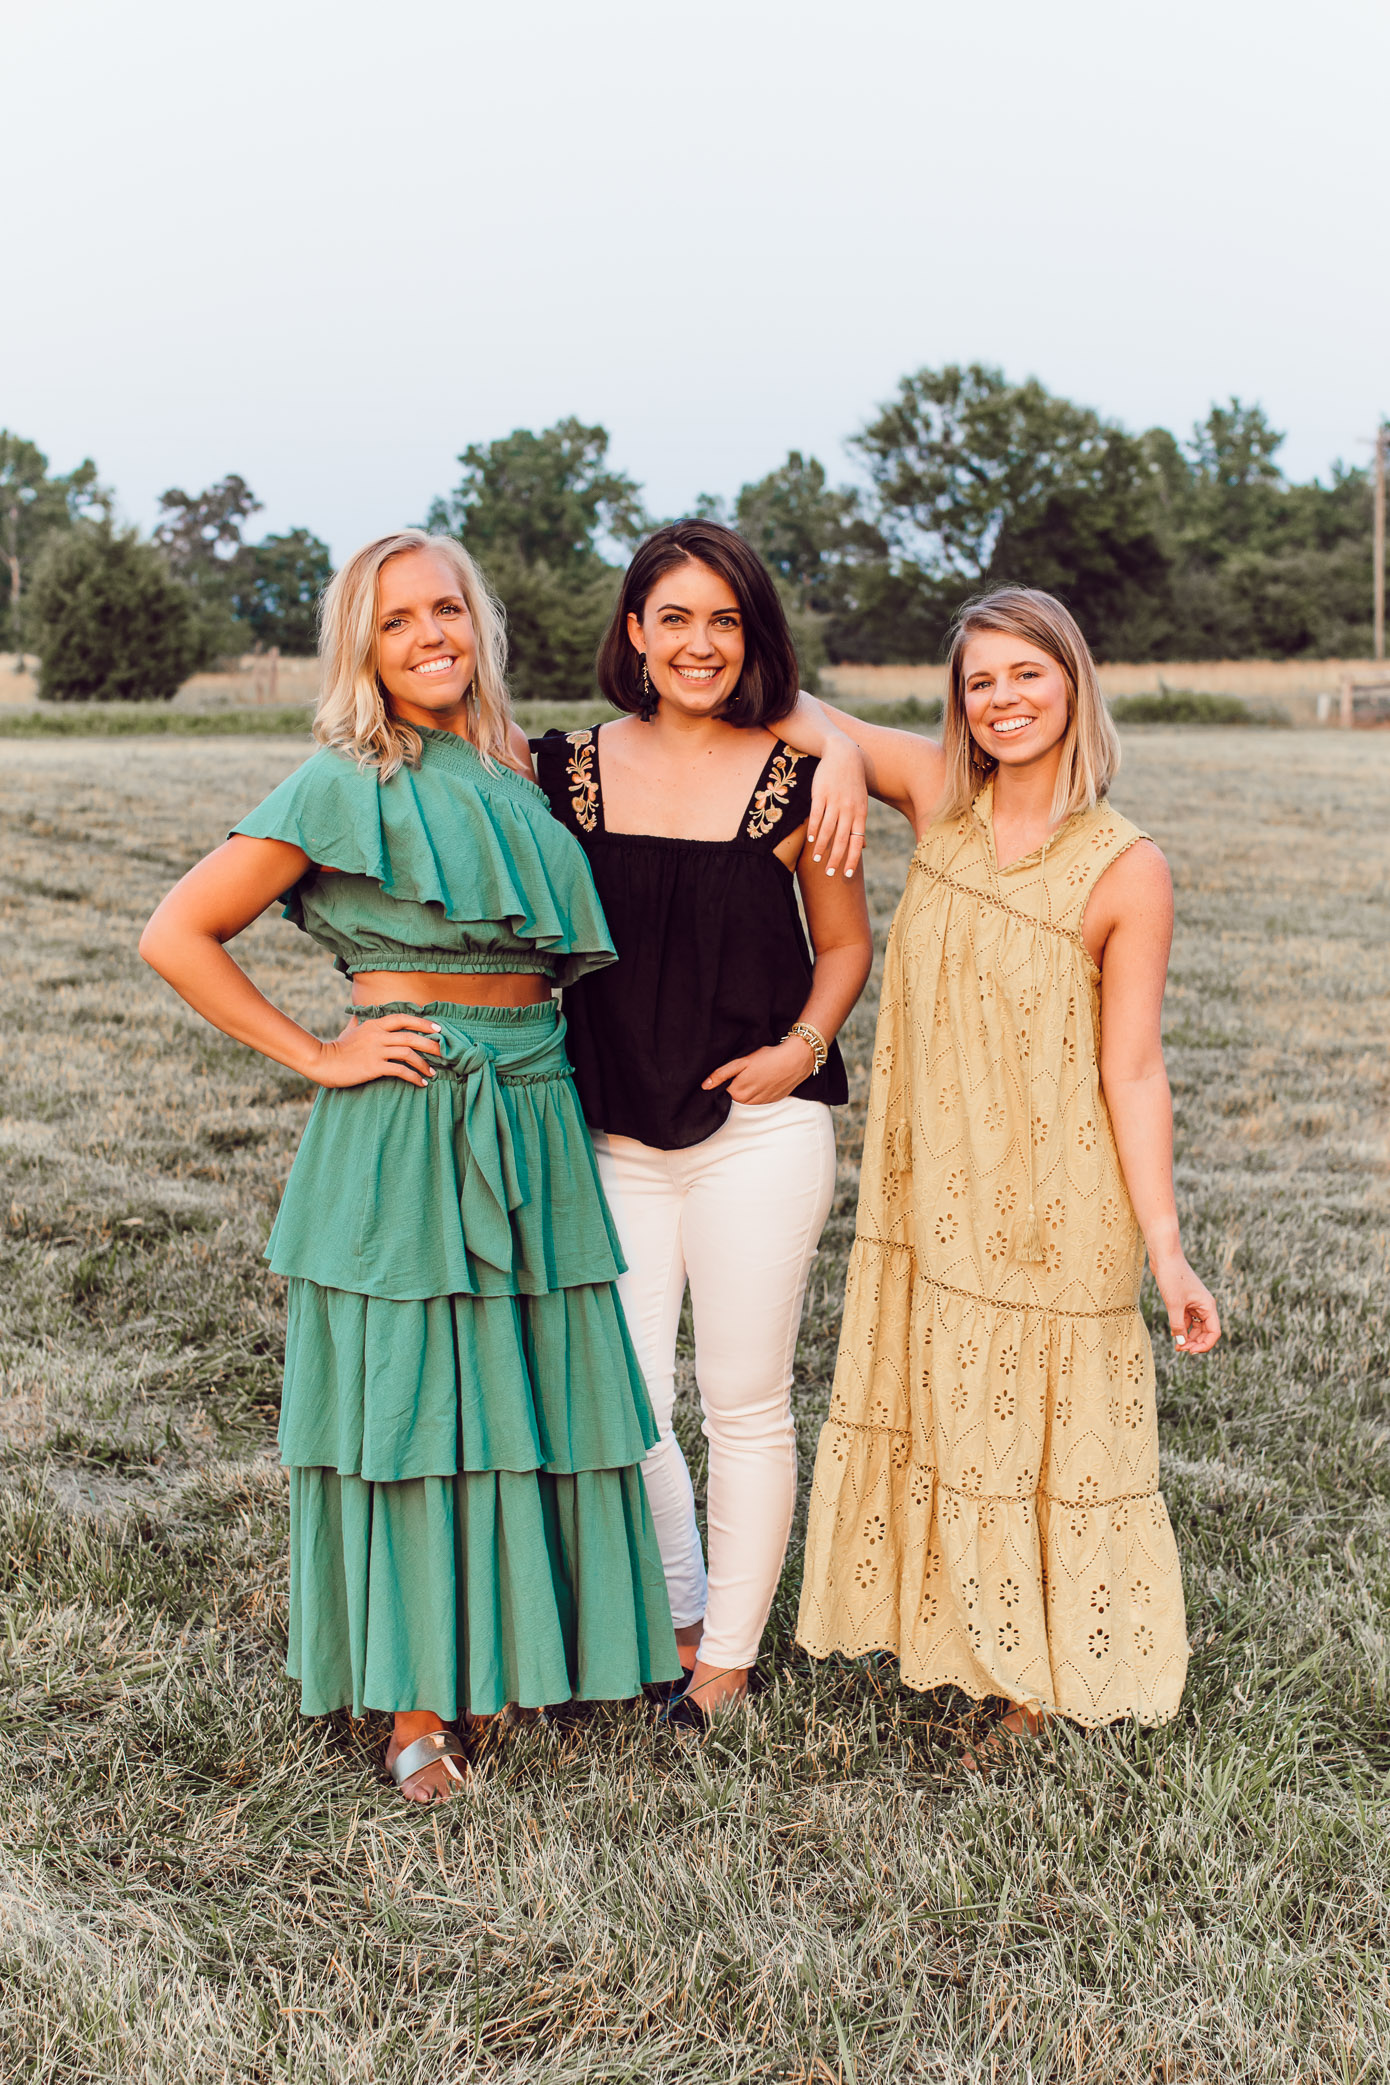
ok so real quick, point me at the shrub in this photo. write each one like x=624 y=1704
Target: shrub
x=1184 y=706
x=138 y=719
x=911 y=714
x=109 y=621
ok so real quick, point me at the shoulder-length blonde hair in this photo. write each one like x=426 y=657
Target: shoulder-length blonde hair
x=353 y=714
x=1091 y=747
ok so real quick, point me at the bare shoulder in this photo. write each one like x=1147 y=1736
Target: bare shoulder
x=931 y=759
x=1136 y=890
x=519 y=751
x=926 y=777
x=1139 y=875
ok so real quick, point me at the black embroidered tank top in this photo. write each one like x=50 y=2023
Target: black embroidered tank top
x=712 y=963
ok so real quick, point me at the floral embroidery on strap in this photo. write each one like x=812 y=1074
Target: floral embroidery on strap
x=583 y=779
x=770 y=802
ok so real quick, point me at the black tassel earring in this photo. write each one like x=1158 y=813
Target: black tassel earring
x=647 y=705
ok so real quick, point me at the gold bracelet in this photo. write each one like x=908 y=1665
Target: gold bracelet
x=814 y=1041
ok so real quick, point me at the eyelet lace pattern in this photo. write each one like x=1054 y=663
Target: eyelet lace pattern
x=986 y=1498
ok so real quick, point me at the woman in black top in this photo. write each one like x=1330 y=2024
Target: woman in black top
x=705 y=1058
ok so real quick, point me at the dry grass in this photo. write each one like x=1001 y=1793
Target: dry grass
x=195 y=1884
x=295 y=680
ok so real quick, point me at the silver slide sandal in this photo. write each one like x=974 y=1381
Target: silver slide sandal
x=439 y=1745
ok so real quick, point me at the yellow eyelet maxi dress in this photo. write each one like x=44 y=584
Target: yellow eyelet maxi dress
x=985 y=1502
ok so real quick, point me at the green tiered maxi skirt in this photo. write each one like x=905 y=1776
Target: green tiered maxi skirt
x=464 y=1416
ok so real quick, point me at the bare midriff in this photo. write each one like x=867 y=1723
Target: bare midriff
x=424 y=987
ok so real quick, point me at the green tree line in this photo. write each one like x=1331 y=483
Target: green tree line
x=159 y=610
x=1164 y=548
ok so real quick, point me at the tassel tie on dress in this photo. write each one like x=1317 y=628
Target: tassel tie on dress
x=494 y=1177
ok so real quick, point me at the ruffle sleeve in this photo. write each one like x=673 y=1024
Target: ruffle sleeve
x=330 y=808
x=475 y=844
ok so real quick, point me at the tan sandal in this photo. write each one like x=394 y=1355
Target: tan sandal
x=485 y=1733
x=435 y=1748
x=1001 y=1744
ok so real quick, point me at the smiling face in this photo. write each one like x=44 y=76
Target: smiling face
x=691 y=630
x=426 y=649
x=1016 y=699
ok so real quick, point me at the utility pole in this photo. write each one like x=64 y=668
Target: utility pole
x=1378 y=538
x=12 y=560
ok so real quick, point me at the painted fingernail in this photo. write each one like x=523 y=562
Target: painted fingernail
x=1179 y=1339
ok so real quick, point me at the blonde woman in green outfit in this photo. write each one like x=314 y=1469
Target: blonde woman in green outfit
x=463 y=1415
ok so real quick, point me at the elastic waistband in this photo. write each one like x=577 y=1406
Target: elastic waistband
x=444 y=962
x=450 y=1015
x=514 y=1045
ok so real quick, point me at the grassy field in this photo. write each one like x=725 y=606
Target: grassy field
x=196 y=1884
x=278 y=720
x=249 y=683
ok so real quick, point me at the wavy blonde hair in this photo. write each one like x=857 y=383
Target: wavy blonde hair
x=1091 y=747
x=353 y=714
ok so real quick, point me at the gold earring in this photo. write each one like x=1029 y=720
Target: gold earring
x=649 y=699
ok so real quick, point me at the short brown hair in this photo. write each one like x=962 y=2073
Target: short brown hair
x=1091 y=748
x=768 y=685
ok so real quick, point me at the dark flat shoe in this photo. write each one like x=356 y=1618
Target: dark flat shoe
x=680 y=1713
x=666 y=1690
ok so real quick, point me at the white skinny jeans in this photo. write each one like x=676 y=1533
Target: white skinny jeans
x=739 y=1217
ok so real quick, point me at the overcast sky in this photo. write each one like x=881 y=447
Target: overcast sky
x=326 y=244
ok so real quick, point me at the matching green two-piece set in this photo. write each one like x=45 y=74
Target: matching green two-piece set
x=464 y=1416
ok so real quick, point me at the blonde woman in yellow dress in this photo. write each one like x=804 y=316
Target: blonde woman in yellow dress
x=986 y=1500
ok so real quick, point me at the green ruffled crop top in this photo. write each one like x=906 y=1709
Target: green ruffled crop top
x=450 y=866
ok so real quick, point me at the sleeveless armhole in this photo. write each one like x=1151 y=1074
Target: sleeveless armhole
x=782 y=800
x=1104 y=848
